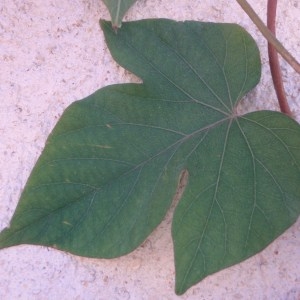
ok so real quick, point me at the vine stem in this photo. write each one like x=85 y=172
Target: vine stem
x=269 y=35
x=274 y=61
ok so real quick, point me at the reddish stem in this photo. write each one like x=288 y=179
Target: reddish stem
x=274 y=61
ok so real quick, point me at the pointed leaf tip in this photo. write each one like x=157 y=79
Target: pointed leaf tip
x=117 y=10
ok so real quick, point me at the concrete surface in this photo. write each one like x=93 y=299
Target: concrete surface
x=52 y=52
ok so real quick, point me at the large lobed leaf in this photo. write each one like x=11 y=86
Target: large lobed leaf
x=111 y=165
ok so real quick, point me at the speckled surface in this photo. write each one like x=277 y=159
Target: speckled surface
x=52 y=52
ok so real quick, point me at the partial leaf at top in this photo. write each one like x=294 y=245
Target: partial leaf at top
x=117 y=10
x=112 y=163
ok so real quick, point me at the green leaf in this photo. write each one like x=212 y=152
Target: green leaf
x=112 y=164
x=243 y=192
x=117 y=10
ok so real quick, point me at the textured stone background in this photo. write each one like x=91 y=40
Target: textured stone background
x=52 y=52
